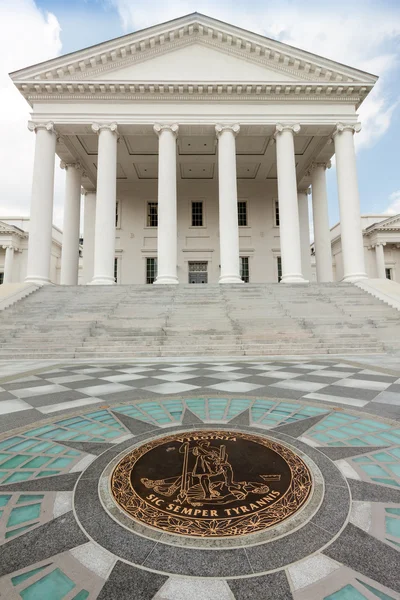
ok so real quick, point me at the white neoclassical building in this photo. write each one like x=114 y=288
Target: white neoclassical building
x=195 y=143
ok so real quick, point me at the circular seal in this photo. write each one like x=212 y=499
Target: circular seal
x=211 y=483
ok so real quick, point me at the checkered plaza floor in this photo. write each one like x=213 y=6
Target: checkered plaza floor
x=63 y=424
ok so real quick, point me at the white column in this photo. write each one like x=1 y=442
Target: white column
x=72 y=213
x=304 y=220
x=228 y=211
x=322 y=234
x=349 y=203
x=104 y=241
x=8 y=265
x=167 y=233
x=380 y=260
x=288 y=207
x=41 y=217
x=89 y=220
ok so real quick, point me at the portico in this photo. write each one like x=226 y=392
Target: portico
x=212 y=169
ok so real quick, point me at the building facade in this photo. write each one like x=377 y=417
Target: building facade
x=195 y=143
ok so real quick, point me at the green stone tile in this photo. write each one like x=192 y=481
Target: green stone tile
x=362 y=459
x=392 y=526
x=41 y=447
x=47 y=473
x=348 y=592
x=4 y=456
x=9 y=442
x=14 y=461
x=374 y=441
x=385 y=481
x=72 y=453
x=383 y=457
x=395 y=469
x=54 y=586
x=56 y=449
x=321 y=437
x=21 y=514
x=19 y=476
x=38 y=432
x=337 y=433
x=374 y=470
x=395 y=452
x=29 y=498
x=375 y=424
x=61 y=463
x=357 y=442
x=81 y=438
x=13 y=532
x=4 y=500
x=67 y=422
x=393 y=542
x=391 y=437
x=82 y=595
x=24 y=576
x=37 y=462
x=22 y=446
x=376 y=592
x=393 y=511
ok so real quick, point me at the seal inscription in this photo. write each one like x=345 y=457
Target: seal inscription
x=211 y=483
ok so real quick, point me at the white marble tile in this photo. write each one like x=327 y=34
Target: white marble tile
x=235 y=386
x=388 y=398
x=102 y=390
x=311 y=570
x=51 y=408
x=95 y=558
x=142 y=369
x=83 y=463
x=363 y=384
x=194 y=589
x=280 y=374
x=121 y=439
x=302 y=386
x=68 y=378
x=12 y=406
x=328 y=373
x=62 y=503
x=267 y=367
x=309 y=366
x=173 y=387
x=224 y=368
x=361 y=515
x=40 y=390
x=336 y=399
x=347 y=470
x=123 y=377
x=175 y=377
x=309 y=441
x=182 y=369
x=227 y=376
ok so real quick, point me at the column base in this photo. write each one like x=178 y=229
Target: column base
x=102 y=281
x=166 y=280
x=230 y=279
x=353 y=278
x=38 y=280
x=294 y=278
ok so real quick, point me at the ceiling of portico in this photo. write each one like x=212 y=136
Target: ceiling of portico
x=137 y=155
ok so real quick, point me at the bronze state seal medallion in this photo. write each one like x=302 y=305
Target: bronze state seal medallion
x=211 y=483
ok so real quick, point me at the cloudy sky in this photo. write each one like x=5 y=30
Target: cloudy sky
x=361 y=33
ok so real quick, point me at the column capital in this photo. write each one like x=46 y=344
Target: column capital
x=316 y=165
x=158 y=128
x=340 y=127
x=85 y=192
x=281 y=127
x=7 y=246
x=49 y=126
x=66 y=166
x=97 y=127
x=379 y=244
x=219 y=129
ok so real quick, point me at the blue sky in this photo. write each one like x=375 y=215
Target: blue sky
x=362 y=33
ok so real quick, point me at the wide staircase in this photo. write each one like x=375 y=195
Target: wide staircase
x=197 y=320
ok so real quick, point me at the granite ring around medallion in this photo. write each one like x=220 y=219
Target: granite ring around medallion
x=311 y=529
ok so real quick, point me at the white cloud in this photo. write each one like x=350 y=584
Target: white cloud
x=342 y=31
x=394 y=204
x=27 y=36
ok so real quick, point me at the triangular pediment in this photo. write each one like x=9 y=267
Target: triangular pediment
x=194 y=61
x=193 y=47
x=390 y=223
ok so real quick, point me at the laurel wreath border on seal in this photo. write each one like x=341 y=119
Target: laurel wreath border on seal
x=288 y=504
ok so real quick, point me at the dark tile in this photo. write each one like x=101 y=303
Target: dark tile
x=350 y=392
x=288 y=549
x=339 y=452
x=23 y=385
x=335 y=507
x=91 y=381
x=45 y=541
x=127 y=395
x=55 y=398
x=275 y=585
x=200 y=381
x=394 y=388
x=260 y=380
x=56 y=374
x=95 y=448
x=135 y=426
x=6 y=396
x=127 y=582
x=198 y=563
x=316 y=379
x=366 y=555
x=277 y=392
x=146 y=382
x=372 y=492
x=390 y=411
x=19 y=419
x=376 y=377
x=242 y=419
x=57 y=483
x=189 y=418
x=300 y=427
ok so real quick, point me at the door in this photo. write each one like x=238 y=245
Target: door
x=198 y=272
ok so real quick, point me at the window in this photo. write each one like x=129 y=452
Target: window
x=151 y=270
x=117 y=224
x=1 y=278
x=244 y=269
x=242 y=213
x=279 y=267
x=152 y=214
x=276 y=213
x=388 y=273
x=116 y=270
x=197 y=214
